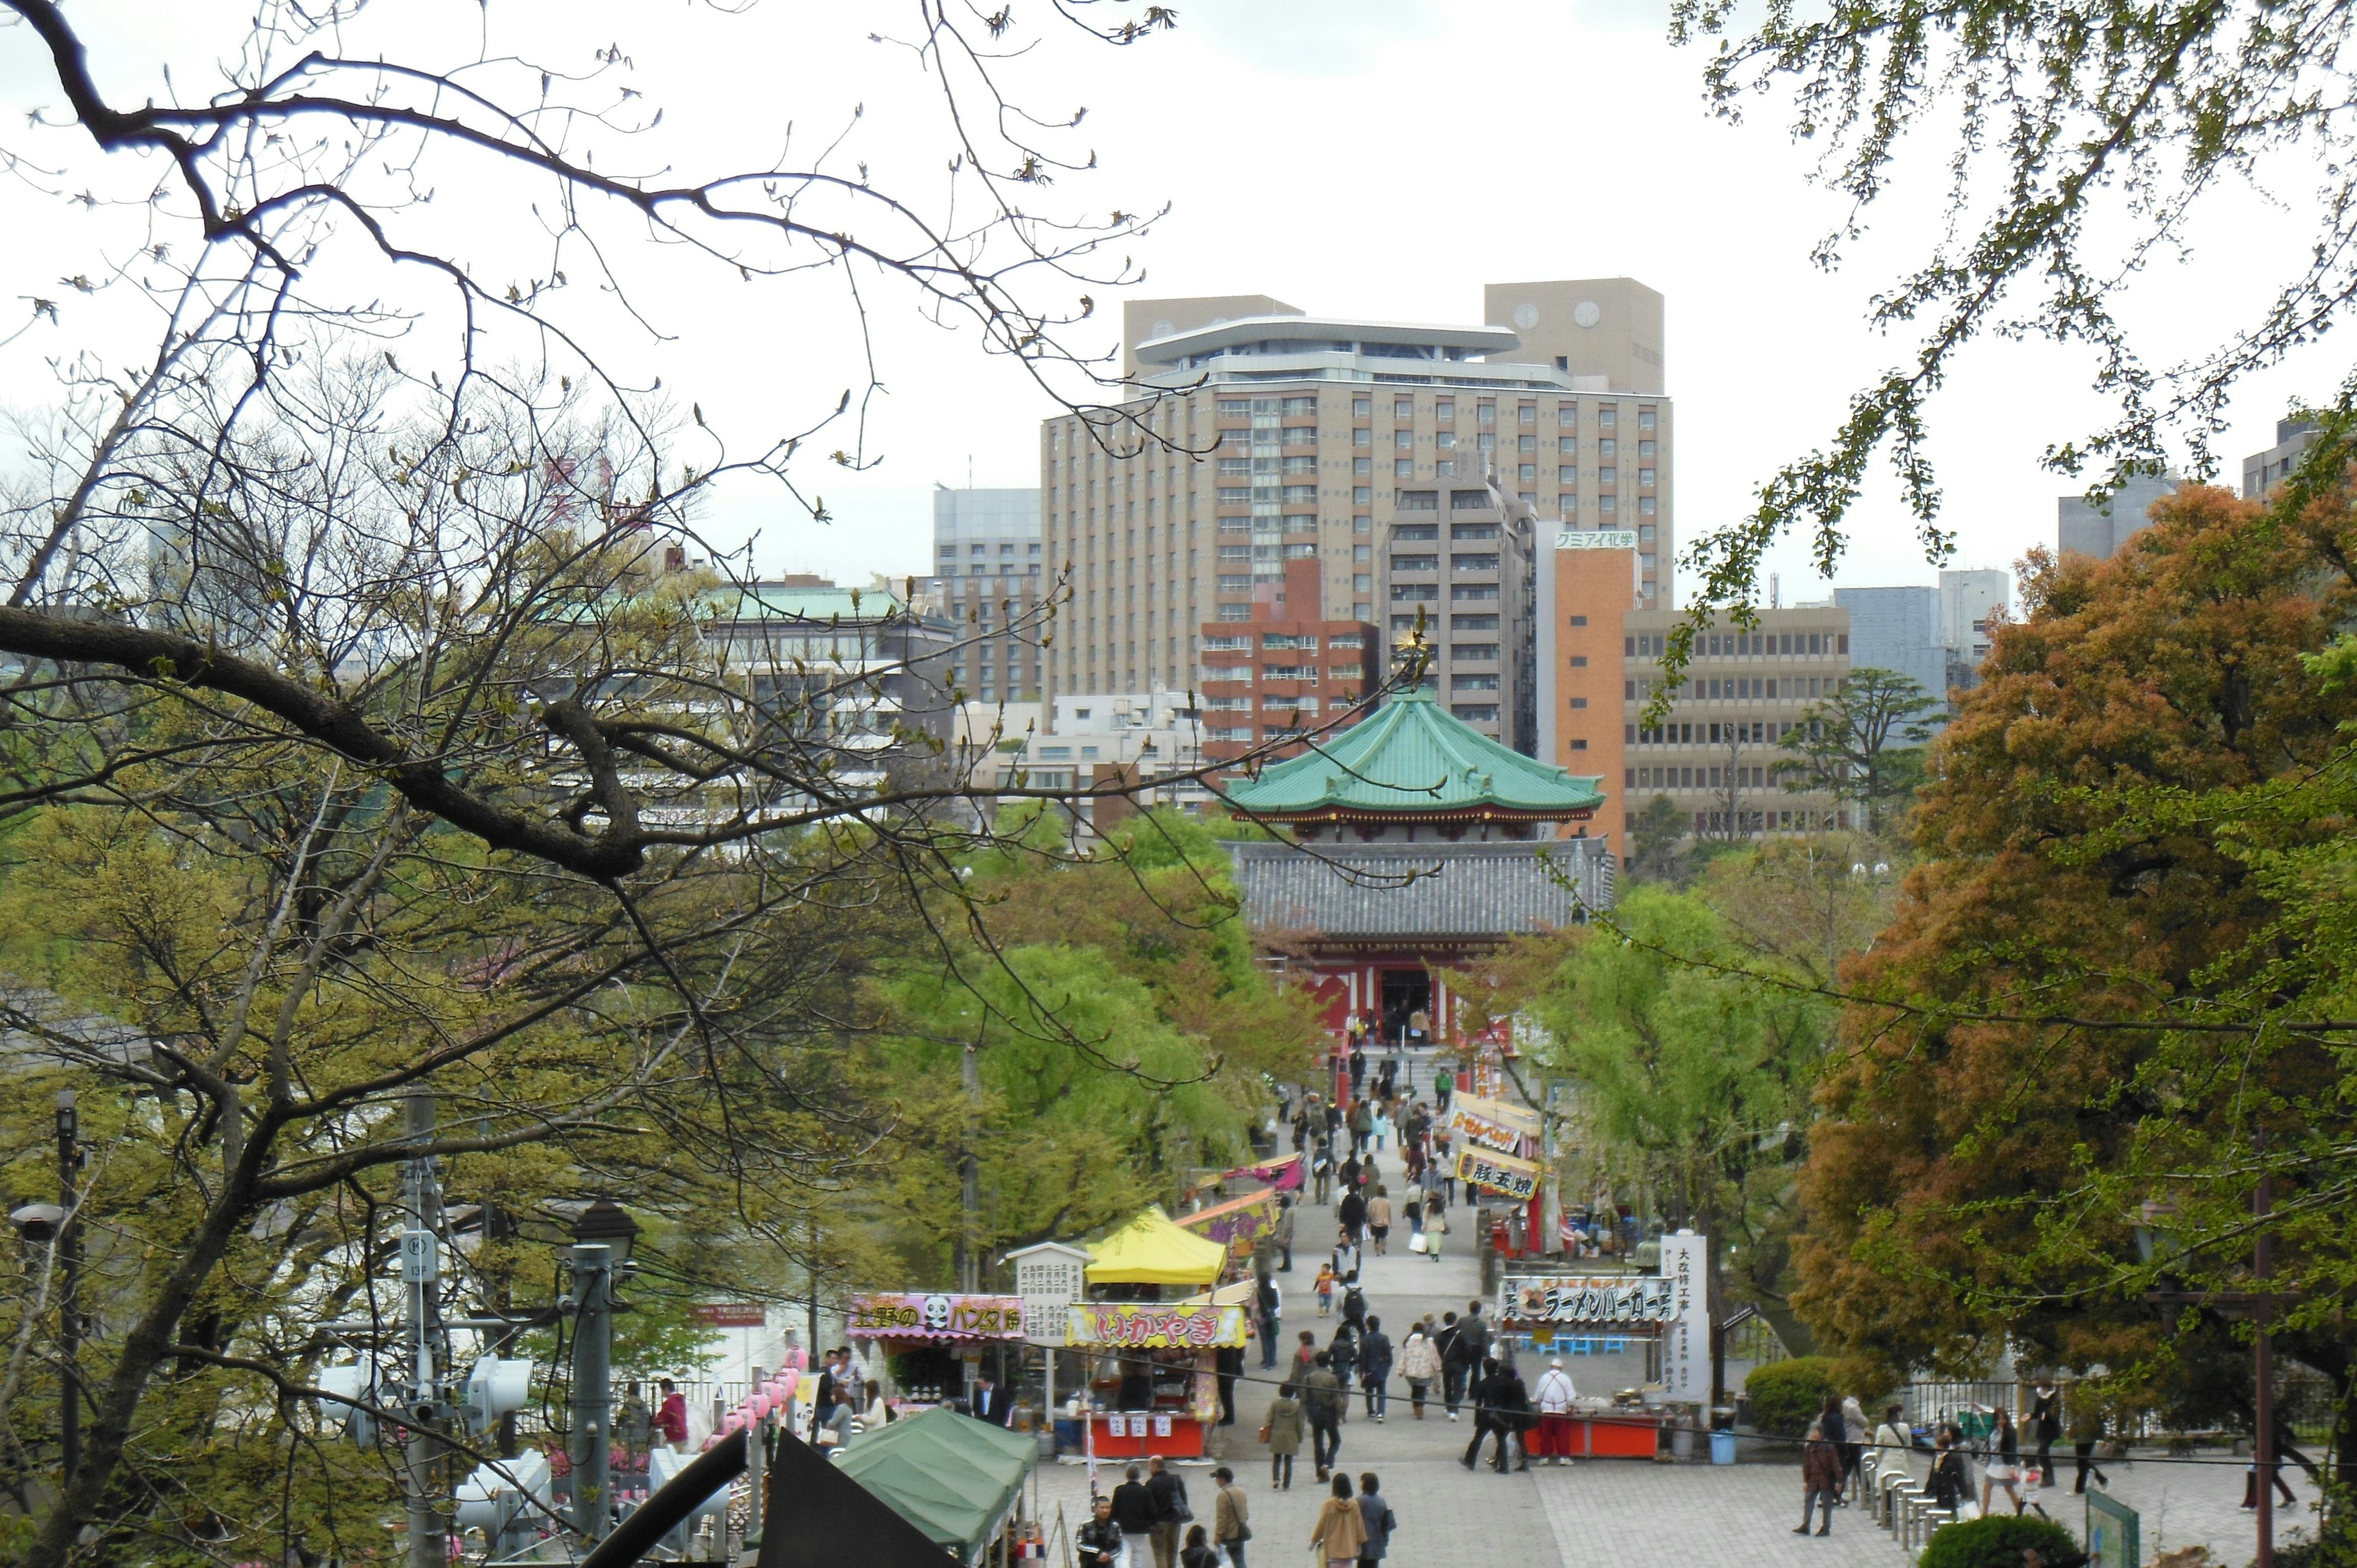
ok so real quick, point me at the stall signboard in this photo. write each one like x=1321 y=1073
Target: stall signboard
x=1147 y=1326
x=1604 y=1299
x=1517 y=1178
x=1049 y=1279
x=1239 y=1221
x=1487 y=1123
x=917 y=1315
x=730 y=1314
x=1284 y=1176
x=1685 y=1343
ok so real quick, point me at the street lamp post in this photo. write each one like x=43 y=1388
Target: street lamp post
x=603 y=1237
x=69 y=1291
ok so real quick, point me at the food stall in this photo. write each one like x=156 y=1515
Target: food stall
x=931 y=1341
x=1554 y=1309
x=1162 y=1393
x=1504 y=1140
x=958 y=1481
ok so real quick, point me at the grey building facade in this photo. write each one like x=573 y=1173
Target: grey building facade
x=2085 y=528
x=2263 y=471
x=987 y=579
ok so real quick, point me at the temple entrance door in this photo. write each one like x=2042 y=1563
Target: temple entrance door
x=1406 y=991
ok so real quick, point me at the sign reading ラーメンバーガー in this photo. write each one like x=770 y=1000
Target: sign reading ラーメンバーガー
x=1516 y=1178
x=1606 y=1298
x=1142 y=1325
x=920 y=1316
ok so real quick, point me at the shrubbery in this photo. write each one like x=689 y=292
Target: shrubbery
x=1786 y=1395
x=1997 y=1542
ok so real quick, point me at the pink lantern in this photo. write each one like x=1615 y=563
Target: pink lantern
x=760 y=1406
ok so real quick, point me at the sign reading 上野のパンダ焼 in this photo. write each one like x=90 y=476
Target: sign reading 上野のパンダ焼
x=1500 y=1173
x=729 y=1314
x=1146 y=1326
x=1601 y=1299
x=917 y=1315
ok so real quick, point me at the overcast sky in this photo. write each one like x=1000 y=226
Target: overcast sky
x=1378 y=158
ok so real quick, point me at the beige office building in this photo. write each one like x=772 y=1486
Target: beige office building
x=1416 y=464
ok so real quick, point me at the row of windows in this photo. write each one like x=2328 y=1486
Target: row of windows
x=1742 y=645
x=1429 y=593
x=1753 y=732
x=1740 y=688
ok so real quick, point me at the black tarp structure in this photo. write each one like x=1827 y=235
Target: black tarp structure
x=817 y=1517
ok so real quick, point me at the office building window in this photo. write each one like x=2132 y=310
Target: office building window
x=1403 y=408
x=1363 y=495
x=1607 y=476
x=1476 y=712
x=1445 y=408
x=1608 y=505
x=1404 y=439
x=1486 y=414
x=1528 y=472
x=1362 y=437
x=1644 y=476
x=1645 y=507
x=1568 y=415
x=1362 y=407
x=1445 y=440
x=1568 y=474
x=1403 y=467
x=1644 y=419
x=1607 y=417
x=1528 y=413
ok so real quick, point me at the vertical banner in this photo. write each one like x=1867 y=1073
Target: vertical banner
x=1686 y=1339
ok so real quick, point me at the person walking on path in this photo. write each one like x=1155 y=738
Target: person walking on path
x=1342 y=1355
x=1379 y=1217
x=1362 y=1115
x=1890 y=1441
x=1305 y=1356
x=1820 y=1480
x=1836 y=1427
x=1353 y=1212
x=1198 y=1552
x=1412 y=1209
x=1341 y=1528
x=1376 y=1515
x=1948 y=1484
x=1321 y=1402
x=1282 y=1433
x=1419 y=1363
x=1460 y=1355
x=2046 y=1424
x=1436 y=1223
x=1133 y=1511
x=1231 y=1517
x=2004 y=1466
x=1272 y=1320
x=1554 y=1395
x=2086 y=1431
x=1489 y=1417
x=671 y=1415
x=1284 y=1232
x=1321 y=1170
x=1354 y=1303
x=1375 y=1367
x=1170 y=1510
x=1854 y=1424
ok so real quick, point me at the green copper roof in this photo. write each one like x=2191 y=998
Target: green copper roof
x=1410 y=759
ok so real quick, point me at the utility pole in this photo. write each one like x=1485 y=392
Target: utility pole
x=969 y=1265
x=68 y=1256
x=420 y=1276
x=2263 y=1446
x=593 y=1389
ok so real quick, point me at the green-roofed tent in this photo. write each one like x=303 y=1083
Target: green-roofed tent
x=953 y=1477
x=1410 y=761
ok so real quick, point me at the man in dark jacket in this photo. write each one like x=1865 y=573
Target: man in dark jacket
x=1170 y=1510
x=1352 y=1210
x=1375 y=1365
x=1133 y=1513
x=1460 y=1353
x=1322 y=1401
x=1099 y=1540
x=1489 y=1417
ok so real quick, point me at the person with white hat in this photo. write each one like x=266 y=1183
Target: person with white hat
x=1554 y=1396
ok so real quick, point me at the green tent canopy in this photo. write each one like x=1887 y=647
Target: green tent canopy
x=953 y=1477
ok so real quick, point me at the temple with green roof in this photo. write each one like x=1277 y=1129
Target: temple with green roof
x=1421 y=843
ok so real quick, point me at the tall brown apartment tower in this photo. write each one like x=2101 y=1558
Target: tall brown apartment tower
x=1418 y=466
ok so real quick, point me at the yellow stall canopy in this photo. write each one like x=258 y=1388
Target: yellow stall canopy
x=1150 y=1250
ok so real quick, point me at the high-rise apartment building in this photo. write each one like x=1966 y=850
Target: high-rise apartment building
x=2263 y=471
x=2100 y=528
x=1284 y=673
x=987 y=579
x=1281 y=436
x=1714 y=755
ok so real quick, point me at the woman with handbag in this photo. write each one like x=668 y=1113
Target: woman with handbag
x=1436 y=1224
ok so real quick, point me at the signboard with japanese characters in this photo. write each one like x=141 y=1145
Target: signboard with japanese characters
x=915 y=1316
x=1487 y=1123
x=1500 y=1173
x=1686 y=1342
x=729 y=1314
x=1049 y=1279
x=1600 y=1299
x=1146 y=1326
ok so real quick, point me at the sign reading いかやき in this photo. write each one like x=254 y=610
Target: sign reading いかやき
x=1147 y=1326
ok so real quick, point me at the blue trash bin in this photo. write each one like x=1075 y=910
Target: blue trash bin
x=1722 y=1448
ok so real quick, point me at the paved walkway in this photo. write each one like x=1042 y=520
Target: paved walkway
x=1624 y=1513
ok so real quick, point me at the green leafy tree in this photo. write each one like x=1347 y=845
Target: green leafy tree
x=1863 y=745
x=1653 y=838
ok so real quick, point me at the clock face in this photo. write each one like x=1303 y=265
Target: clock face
x=1587 y=312
x=1527 y=316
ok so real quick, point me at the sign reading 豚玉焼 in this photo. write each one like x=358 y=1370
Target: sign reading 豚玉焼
x=1500 y=1172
